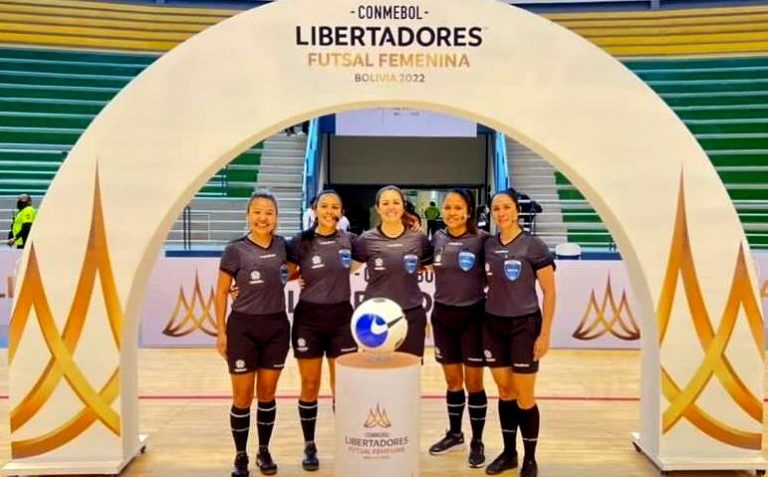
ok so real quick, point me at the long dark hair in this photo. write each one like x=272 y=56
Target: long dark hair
x=466 y=196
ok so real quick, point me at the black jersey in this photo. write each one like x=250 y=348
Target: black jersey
x=393 y=265
x=324 y=263
x=458 y=264
x=511 y=274
x=260 y=274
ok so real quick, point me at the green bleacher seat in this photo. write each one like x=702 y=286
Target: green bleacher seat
x=724 y=102
x=48 y=98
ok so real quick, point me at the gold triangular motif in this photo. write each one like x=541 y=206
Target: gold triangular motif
x=682 y=400
x=62 y=345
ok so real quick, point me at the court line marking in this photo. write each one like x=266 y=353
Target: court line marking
x=214 y=397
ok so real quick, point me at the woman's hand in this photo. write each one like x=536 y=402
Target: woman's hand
x=540 y=347
x=221 y=344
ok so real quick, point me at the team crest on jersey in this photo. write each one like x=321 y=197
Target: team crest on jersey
x=466 y=261
x=512 y=269
x=255 y=277
x=346 y=257
x=410 y=261
x=284 y=274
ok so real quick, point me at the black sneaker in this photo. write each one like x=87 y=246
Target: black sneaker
x=502 y=463
x=476 y=453
x=529 y=469
x=448 y=443
x=264 y=460
x=241 y=465
x=310 y=463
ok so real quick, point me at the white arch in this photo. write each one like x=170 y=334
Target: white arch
x=245 y=79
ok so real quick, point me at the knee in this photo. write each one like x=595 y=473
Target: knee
x=267 y=395
x=310 y=388
x=474 y=386
x=266 y=392
x=474 y=382
x=242 y=399
x=525 y=402
x=454 y=383
x=507 y=393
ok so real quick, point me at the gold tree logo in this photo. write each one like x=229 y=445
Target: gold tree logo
x=605 y=316
x=192 y=315
x=377 y=418
x=682 y=399
x=62 y=345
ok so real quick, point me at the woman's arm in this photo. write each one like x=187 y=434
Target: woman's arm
x=293 y=271
x=223 y=284
x=355 y=266
x=546 y=277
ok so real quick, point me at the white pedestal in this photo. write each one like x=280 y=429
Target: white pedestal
x=20 y=468
x=757 y=464
x=377 y=415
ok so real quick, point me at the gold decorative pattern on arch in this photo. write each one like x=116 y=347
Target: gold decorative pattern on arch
x=62 y=346
x=184 y=319
x=606 y=316
x=682 y=399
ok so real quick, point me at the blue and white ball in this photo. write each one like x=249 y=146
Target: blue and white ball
x=379 y=325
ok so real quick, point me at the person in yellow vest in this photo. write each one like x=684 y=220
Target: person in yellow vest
x=432 y=213
x=22 y=222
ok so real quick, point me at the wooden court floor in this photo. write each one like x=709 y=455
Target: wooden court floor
x=588 y=401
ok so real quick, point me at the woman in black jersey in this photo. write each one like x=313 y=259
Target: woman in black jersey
x=393 y=253
x=255 y=338
x=516 y=330
x=322 y=316
x=457 y=321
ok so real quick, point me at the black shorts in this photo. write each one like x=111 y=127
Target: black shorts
x=320 y=330
x=458 y=334
x=417 y=330
x=257 y=341
x=508 y=341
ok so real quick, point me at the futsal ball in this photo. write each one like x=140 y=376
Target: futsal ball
x=379 y=325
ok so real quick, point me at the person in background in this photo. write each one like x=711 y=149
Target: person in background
x=343 y=224
x=484 y=218
x=308 y=217
x=432 y=213
x=22 y=222
x=528 y=210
